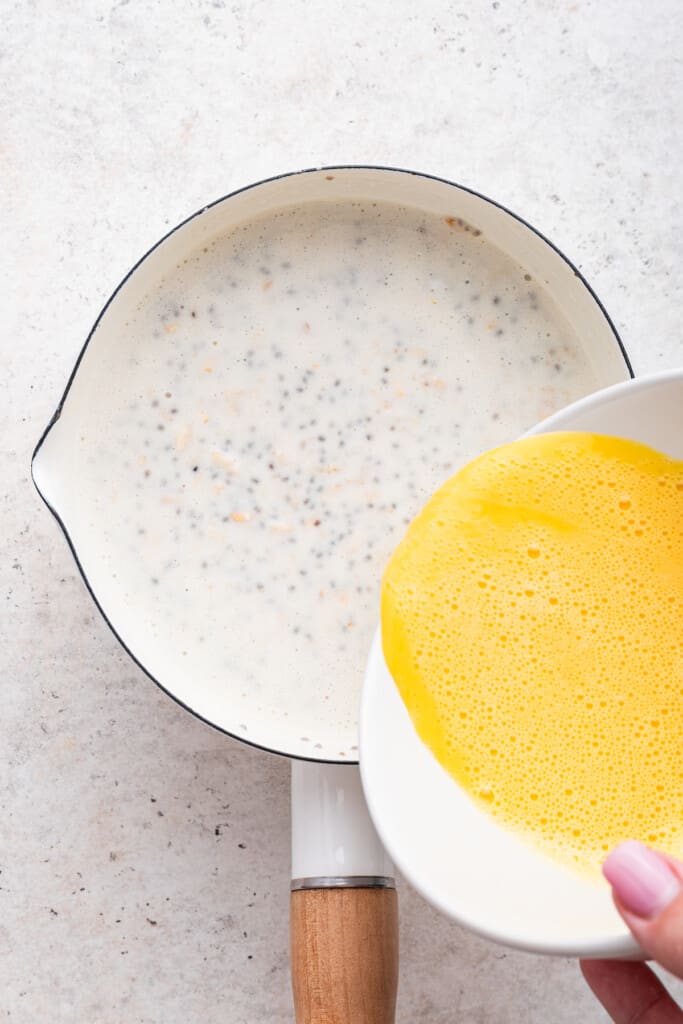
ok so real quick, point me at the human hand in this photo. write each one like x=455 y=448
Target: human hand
x=647 y=888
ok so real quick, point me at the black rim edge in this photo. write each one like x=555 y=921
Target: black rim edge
x=198 y=213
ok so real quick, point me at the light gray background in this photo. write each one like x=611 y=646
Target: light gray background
x=144 y=858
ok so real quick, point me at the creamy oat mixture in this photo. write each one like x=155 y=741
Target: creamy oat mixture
x=290 y=398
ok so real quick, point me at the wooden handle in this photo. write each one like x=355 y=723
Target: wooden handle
x=344 y=954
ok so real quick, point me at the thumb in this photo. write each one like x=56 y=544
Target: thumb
x=648 y=893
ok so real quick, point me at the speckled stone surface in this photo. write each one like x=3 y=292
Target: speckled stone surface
x=144 y=858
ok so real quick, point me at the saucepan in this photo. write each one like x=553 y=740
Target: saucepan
x=266 y=398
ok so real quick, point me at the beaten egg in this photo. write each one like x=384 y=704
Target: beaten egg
x=531 y=619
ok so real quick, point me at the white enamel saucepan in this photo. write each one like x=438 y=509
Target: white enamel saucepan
x=265 y=399
x=486 y=877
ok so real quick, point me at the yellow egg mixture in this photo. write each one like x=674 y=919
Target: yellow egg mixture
x=531 y=618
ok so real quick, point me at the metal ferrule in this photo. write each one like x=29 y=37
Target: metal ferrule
x=344 y=882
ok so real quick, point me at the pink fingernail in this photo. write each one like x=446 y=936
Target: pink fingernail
x=642 y=880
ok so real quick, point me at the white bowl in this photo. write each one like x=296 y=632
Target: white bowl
x=453 y=853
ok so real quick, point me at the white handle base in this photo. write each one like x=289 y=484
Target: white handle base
x=334 y=842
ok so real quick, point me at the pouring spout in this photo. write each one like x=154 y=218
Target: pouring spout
x=47 y=465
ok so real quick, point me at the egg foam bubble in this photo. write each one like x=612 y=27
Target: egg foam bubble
x=531 y=620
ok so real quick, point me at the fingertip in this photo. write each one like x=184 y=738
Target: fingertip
x=642 y=880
